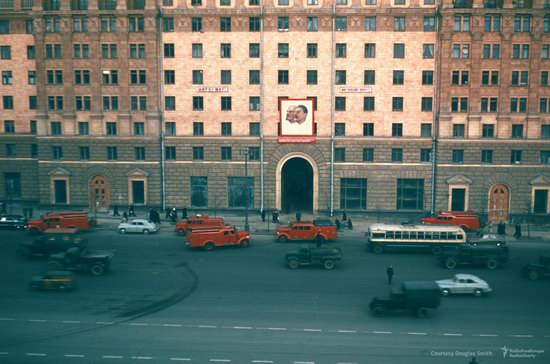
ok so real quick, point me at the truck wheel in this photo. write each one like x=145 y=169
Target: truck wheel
x=492 y=264
x=181 y=232
x=378 y=310
x=378 y=248
x=451 y=263
x=97 y=269
x=23 y=254
x=422 y=312
x=436 y=250
x=478 y=292
x=282 y=239
x=122 y=231
x=534 y=275
x=54 y=266
x=245 y=243
x=293 y=263
x=328 y=264
x=145 y=232
x=445 y=292
x=209 y=246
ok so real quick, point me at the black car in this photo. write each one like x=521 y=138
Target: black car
x=489 y=255
x=14 y=222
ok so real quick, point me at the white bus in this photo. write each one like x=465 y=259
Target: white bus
x=381 y=237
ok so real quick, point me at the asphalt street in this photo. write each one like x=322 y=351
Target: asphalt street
x=162 y=302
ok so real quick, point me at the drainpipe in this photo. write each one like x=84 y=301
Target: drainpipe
x=436 y=107
x=332 y=114
x=261 y=106
x=161 y=112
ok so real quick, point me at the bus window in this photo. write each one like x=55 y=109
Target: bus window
x=452 y=236
x=398 y=234
x=460 y=236
x=435 y=235
x=378 y=235
x=428 y=235
x=443 y=235
x=413 y=235
x=405 y=234
x=390 y=234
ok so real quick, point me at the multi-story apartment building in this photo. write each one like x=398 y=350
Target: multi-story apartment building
x=418 y=104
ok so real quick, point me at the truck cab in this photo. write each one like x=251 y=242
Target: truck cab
x=419 y=297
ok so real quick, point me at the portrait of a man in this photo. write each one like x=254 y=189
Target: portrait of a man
x=298 y=119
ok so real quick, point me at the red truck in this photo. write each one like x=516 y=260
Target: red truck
x=318 y=230
x=59 y=220
x=194 y=222
x=209 y=238
x=468 y=221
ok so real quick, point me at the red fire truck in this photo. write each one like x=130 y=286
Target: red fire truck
x=210 y=238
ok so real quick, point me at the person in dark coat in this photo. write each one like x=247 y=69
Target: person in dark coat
x=115 y=211
x=166 y=213
x=517 y=232
x=344 y=217
x=389 y=273
x=262 y=214
x=501 y=228
x=124 y=217
x=350 y=225
x=298 y=216
x=338 y=225
x=131 y=211
x=152 y=215
x=184 y=213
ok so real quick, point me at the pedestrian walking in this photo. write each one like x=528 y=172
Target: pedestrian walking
x=344 y=217
x=350 y=225
x=115 y=211
x=389 y=273
x=517 y=232
x=298 y=216
x=166 y=213
x=131 y=211
x=338 y=225
x=173 y=216
x=124 y=217
x=262 y=214
x=501 y=228
x=184 y=213
x=277 y=216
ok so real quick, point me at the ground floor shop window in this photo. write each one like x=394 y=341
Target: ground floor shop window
x=12 y=182
x=199 y=191
x=540 y=201
x=236 y=192
x=353 y=193
x=410 y=194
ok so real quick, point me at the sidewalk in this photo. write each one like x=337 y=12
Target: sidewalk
x=106 y=220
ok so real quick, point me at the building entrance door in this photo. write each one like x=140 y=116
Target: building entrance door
x=297 y=186
x=99 y=193
x=499 y=199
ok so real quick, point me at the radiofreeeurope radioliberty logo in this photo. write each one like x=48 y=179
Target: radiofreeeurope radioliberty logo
x=520 y=353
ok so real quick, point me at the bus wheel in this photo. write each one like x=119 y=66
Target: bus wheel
x=378 y=248
x=451 y=263
x=436 y=250
x=492 y=264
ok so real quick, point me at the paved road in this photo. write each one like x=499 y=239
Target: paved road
x=165 y=303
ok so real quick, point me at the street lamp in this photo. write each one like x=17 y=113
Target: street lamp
x=246 y=152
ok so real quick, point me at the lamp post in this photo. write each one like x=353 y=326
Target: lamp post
x=246 y=152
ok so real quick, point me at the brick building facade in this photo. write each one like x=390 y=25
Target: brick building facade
x=419 y=105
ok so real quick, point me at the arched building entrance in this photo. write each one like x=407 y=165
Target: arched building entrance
x=296 y=185
x=99 y=193
x=499 y=203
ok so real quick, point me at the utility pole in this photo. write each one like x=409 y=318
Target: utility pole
x=246 y=152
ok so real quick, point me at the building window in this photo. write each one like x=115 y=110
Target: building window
x=226 y=129
x=398 y=77
x=488 y=131
x=370 y=24
x=459 y=104
x=429 y=23
x=55 y=128
x=139 y=153
x=169 y=50
x=31 y=52
x=545 y=131
x=425 y=130
x=137 y=50
x=7 y=78
x=312 y=24
x=353 y=193
x=136 y=24
x=110 y=128
x=196 y=24
x=139 y=128
x=198 y=153
x=198 y=103
x=489 y=78
x=254 y=103
x=368 y=155
x=341 y=23
x=138 y=77
x=369 y=77
x=341 y=50
x=32 y=126
x=170 y=128
x=198 y=129
x=520 y=78
x=80 y=24
x=339 y=129
x=254 y=24
x=9 y=126
x=460 y=77
x=427 y=78
x=82 y=77
x=84 y=153
x=398 y=23
x=225 y=50
x=544 y=105
x=83 y=128
x=397 y=155
x=399 y=50
x=368 y=103
x=312 y=50
x=486 y=156
x=254 y=50
x=458 y=130
x=520 y=51
x=462 y=23
x=425 y=155
x=340 y=77
x=254 y=129
x=368 y=129
x=253 y=77
x=396 y=129
x=170 y=103
x=110 y=103
x=339 y=155
x=282 y=50
x=458 y=156
x=170 y=153
x=57 y=153
x=428 y=51
x=545 y=157
x=225 y=24
x=226 y=153
x=33 y=103
x=10 y=150
x=370 y=50
x=517 y=131
x=226 y=103
x=282 y=77
x=282 y=23
x=489 y=104
x=522 y=23
x=461 y=51
x=52 y=24
x=544 y=78
x=237 y=188
x=138 y=103
x=491 y=23
x=199 y=191
x=397 y=104
x=410 y=194
x=515 y=156
x=518 y=105
x=170 y=77
x=108 y=50
x=340 y=103
x=108 y=24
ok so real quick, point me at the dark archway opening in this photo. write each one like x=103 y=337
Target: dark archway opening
x=297 y=186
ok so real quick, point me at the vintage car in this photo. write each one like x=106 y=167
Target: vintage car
x=53 y=280
x=140 y=226
x=536 y=271
x=51 y=242
x=464 y=284
x=14 y=222
x=317 y=230
x=321 y=254
x=419 y=297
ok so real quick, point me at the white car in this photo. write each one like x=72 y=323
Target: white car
x=141 y=226
x=464 y=283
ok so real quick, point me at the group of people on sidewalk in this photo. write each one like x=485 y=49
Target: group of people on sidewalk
x=153 y=215
x=501 y=229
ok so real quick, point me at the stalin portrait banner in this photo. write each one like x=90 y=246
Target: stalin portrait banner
x=296 y=121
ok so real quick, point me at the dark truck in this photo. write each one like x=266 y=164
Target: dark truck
x=51 y=242
x=489 y=255
x=535 y=271
x=419 y=297
x=326 y=255
x=97 y=262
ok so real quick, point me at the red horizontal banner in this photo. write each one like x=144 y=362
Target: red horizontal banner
x=297 y=140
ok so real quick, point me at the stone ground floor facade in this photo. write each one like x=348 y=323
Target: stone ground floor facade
x=382 y=176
